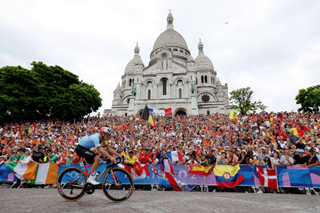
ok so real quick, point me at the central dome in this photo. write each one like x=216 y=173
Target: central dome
x=170 y=37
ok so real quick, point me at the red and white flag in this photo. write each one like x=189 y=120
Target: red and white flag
x=268 y=178
x=138 y=172
x=154 y=170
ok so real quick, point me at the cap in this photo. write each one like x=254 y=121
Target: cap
x=131 y=152
x=263 y=148
x=267 y=156
x=22 y=150
x=244 y=151
x=301 y=151
x=148 y=148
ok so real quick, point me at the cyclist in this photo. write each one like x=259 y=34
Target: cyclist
x=88 y=142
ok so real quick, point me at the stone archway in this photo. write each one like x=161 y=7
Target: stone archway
x=180 y=111
x=140 y=112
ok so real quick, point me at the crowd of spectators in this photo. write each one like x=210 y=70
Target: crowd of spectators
x=285 y=138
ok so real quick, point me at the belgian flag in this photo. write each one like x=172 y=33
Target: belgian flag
x=146 y=116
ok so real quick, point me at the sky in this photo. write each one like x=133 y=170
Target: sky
x=273 y=47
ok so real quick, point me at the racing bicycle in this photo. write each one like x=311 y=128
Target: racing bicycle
x=117 y=183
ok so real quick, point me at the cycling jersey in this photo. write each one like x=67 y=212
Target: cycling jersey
x=90 y=141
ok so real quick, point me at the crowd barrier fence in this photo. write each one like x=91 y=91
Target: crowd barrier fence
x=287 y=176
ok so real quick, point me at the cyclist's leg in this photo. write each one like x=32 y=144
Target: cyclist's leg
x=91 y=157
x=95 y=164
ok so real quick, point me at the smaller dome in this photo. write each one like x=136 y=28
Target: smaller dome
x=202 y=62
x=218 y=83
x=131 y=66
x=118 y=87
x=190 y=58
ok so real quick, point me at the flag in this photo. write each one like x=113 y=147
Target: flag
x=146 y=116
x=150 y=111
x=23 y=171
x=154 y=170
x=144 y=171
x=46 y=174
x=228 y=176
x=175 y=156
x=165 y=166
x=177 y=185
x=233 y=114
x=137 y=168
x=6 y=174
x=196 y=169
x=168 y=111
x=297 y=131
x=268 y=178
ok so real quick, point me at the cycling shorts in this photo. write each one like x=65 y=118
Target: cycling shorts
x=86 y=153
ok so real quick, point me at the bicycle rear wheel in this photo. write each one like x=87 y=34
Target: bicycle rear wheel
x=71 y=183
x=118 y=192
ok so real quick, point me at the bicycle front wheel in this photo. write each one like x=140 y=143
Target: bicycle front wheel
x=71 y=183
x=120 y=191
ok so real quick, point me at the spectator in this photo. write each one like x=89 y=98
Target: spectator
x=299 y=159
x=312 y=159
x=243 y=157
x=38 y=156
x=211 y=158
x=275 y=159
x=286 y=159
x=222 y=160
x=232 y=159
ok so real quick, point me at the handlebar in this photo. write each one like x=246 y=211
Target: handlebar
x=108 y=161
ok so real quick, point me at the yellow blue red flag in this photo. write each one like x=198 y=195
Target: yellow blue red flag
x=228 y=176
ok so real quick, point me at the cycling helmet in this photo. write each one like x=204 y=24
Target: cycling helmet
x=106 y=130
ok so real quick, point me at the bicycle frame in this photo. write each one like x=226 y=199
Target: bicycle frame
x=101 y=174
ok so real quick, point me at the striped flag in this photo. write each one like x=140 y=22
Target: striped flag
x=165 y=166
x=196 y=169
x=23 y=171
x=268 y=178
x=147 y=116
x=46 y=174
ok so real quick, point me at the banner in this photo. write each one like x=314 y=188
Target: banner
x=287 y=176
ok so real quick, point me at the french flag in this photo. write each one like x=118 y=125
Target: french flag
x=268 y=178
x=175 y=156
x=165 y=166
x=177 y=185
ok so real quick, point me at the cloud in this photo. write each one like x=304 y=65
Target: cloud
x=271 y=46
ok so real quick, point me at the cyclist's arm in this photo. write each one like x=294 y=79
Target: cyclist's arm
x=112 y=151
x=104 y=153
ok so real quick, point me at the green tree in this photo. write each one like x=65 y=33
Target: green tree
x=241 y=100
x=309 y=99
x=44 y=91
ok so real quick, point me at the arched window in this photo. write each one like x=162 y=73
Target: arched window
x=180 y=93
x=129 y=82
x=205 y=79
x=191 y=77
x=164 y=87
x=149 y=94
x=196 y=80
x=133 y=80
x=208 y=112
x=202 y=79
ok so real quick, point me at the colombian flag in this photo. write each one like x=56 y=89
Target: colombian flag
x=146 y=116
x=228 y=176
x=196 y=169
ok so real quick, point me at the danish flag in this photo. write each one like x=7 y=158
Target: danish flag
x=268 y=178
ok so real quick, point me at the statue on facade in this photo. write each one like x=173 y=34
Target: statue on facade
x=193 y=88
x=133 y=90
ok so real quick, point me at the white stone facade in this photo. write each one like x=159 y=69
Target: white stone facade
x=165 y=82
